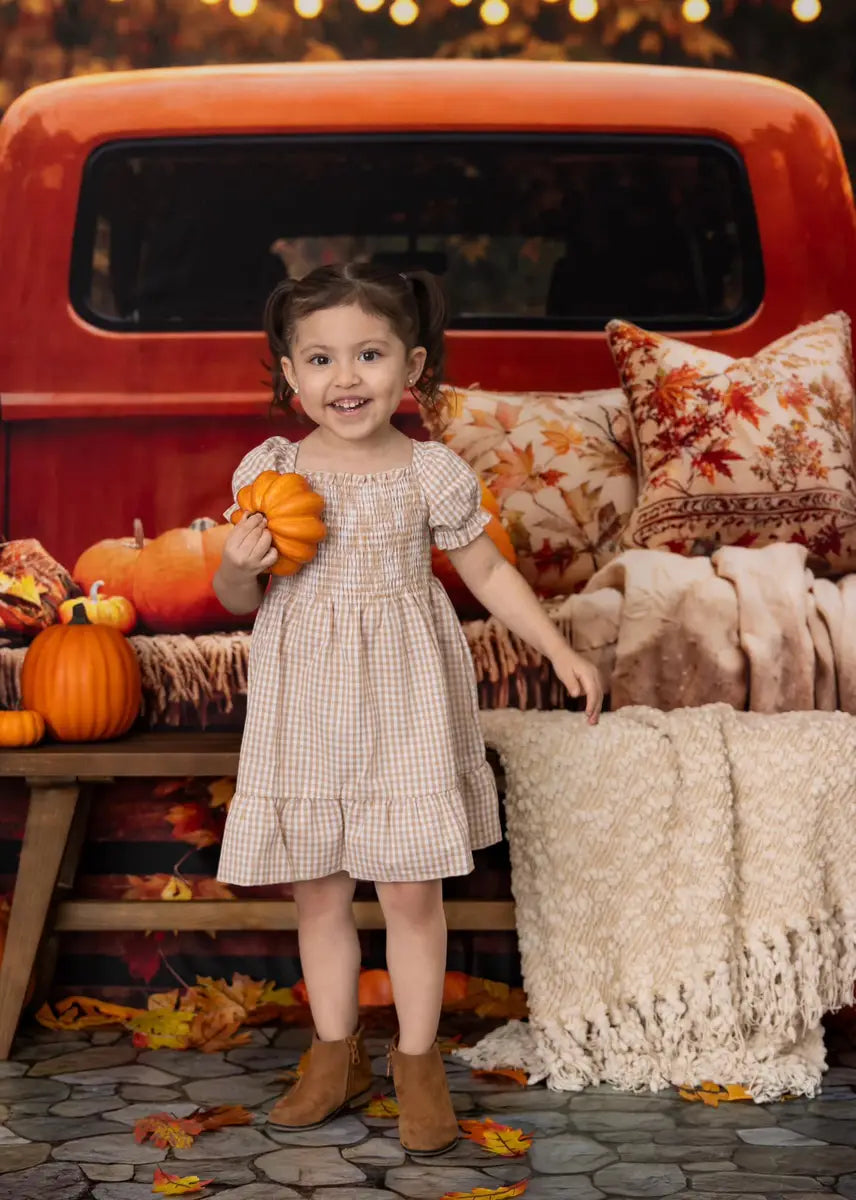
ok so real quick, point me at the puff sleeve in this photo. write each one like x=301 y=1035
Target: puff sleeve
x=269 y=456
x=453 y=492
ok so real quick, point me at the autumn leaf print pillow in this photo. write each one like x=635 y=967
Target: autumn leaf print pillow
x=743 y=452
x=561 y=466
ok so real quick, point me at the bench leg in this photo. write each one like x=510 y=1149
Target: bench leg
x=49 y=818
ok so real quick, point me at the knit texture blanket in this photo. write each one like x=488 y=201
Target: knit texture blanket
x=685 y=885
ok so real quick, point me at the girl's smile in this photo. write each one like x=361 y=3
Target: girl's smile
x=350 y=371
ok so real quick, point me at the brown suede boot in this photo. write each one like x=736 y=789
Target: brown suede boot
x=427 y=1123
x=337 y=1075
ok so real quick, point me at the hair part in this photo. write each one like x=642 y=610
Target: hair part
x=413 y=303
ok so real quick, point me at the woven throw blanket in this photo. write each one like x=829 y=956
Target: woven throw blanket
x=685 y=886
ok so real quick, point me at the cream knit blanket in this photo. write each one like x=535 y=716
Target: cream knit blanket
x=685 y=886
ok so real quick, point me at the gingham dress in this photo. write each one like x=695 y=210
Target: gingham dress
x=362 y=750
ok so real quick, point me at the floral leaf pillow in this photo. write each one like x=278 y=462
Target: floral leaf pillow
x=561 y=466
x=743 y=451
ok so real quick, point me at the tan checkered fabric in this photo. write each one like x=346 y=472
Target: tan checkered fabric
x=362 y=750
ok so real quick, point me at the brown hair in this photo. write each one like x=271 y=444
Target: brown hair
x=413 y=303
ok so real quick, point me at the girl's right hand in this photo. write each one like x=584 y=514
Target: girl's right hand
x=249 y=548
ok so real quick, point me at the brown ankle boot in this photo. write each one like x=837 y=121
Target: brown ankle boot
x=427 y=1123
x=336 y=1075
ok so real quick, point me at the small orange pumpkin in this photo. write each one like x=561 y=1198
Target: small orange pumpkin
x=116 y=611
x=456 y=987
x=21 y=728
x=83 y=679
x=462 y=598
x=293 y=513
x=375 y=989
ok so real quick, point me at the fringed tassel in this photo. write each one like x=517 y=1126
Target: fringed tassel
x=757 y=1025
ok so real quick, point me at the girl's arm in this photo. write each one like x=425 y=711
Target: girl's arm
x=505 y=593
x=248 y=552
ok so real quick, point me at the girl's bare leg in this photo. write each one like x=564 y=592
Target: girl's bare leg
x=329 y=953
x=416 y=957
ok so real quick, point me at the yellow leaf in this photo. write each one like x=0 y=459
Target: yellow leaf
x=220 y=793
x=176 y=889
x=498 y=1139
x=163 y=1000
x=714 y=1094
x=282 y=997
x=163 y=1029
x=172 y=1185
x=381 y=1106
x=508 y=1192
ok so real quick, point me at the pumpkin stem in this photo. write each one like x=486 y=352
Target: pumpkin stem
x=93 y=591
x=139 y=537
x=78 y=614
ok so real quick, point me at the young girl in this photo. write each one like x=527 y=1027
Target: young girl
x=362 y=756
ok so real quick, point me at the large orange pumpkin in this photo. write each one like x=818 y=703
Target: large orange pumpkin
x=168 y=579
x=462 y=598
x=173 y=581
x=83 y=679
x=111 y=562
x=293 y=513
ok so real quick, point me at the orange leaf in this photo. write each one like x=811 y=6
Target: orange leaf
x=714 y=1094
x=165 y=1130
x=508 y=1192
x=514 y=1074
x=498 y=1139
x=221 y=1116
x=191 y=822
x=174 y=1185
x=381 y=1106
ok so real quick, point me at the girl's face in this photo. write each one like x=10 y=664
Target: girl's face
x=350 y=370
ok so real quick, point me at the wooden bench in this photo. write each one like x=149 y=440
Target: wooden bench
x=55 y=832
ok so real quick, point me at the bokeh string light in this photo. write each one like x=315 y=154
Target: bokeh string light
x=695 y=11
x=583 y=10
x=494 y=12
x=806 y=10
x=404 y=12
x=308 y=9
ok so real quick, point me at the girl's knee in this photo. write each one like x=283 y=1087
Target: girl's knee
x=414 y=902
x=332 y=895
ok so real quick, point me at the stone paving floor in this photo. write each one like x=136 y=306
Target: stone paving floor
x=68 y=1103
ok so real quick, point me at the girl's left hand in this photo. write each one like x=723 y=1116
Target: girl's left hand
x=580 y=677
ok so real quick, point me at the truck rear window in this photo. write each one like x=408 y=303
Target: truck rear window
x=528 y=232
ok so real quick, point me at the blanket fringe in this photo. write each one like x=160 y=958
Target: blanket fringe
x=772 y=1046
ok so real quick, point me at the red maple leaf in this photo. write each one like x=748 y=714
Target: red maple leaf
x=738 y=401
x=715 y=460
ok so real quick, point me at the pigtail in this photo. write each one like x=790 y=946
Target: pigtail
x=276 y=323
x=432 y=313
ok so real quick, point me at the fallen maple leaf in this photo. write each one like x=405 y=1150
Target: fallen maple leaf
x=173 y=1185
x=381 y=1106
x=219 y=1117
x=507 y=1192
x=714 y=1094
x=498 y=1139
x=161 y=1029
x=513 y=1073
x=165 y=1131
